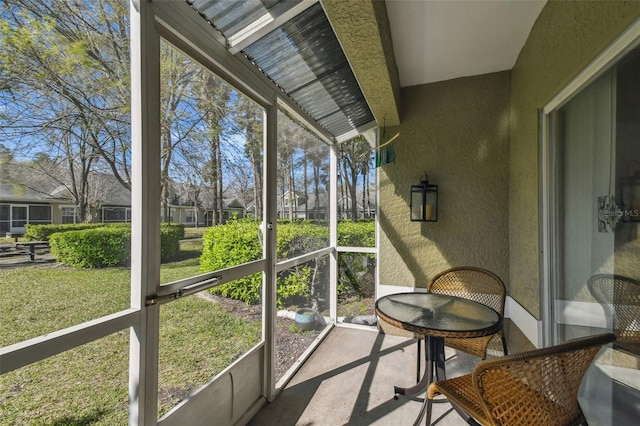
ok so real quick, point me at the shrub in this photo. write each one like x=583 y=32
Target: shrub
x=357 y=234
x=42 y=232
x=170 y=236
x=236 y=242
x=298 y=238
x=92 y=248
x=108 y=245
x=356 y=271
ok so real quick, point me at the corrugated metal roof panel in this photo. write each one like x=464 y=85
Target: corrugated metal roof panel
x=302 y=57
x=232 y=16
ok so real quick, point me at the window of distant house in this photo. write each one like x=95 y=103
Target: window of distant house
x=68 y=214
x=5 y=219
x=18 y=216
x=39 y=214
x=191 y=216
x=114 y=214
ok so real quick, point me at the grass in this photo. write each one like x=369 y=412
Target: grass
x=89 y=384
x=194 y=232
x=355 y=306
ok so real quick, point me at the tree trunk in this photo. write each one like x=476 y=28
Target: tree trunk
x=219 y=205
x=305 y=183
x=214 y=150
x=292 y=194
x=316 y=183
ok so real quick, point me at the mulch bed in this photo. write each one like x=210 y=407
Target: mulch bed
x=289 y=344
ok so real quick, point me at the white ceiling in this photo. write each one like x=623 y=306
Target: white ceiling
x=435 y=40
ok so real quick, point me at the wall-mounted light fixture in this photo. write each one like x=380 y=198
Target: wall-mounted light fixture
x=424 y=202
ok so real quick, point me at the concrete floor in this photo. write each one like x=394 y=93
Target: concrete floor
x=349 y=380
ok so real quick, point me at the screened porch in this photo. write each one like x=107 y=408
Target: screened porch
x=317 y=119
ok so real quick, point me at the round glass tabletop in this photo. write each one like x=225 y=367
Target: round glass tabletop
x=438 y=315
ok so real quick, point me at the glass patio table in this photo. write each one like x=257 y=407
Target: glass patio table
x=435 y=316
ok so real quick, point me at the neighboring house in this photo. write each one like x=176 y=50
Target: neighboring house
x=203 y=214
x=30 y=197
x=300 y=207
x=26 y=197
x=289 y=204
x=309 y=209
x=318 y=210
x=344 y=208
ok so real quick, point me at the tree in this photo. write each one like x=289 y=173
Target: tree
x=318 y=156
x=180 y=117
x=64 y=85
x=65 y=76
x=287 y=141
x=352 y=155
x=213 y=101
x=248 y=118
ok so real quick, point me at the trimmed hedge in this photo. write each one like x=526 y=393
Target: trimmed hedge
x=356 y=271
x=108 y=245
x=357 y=234
x=170 y=236
x=42 y=232
x=236 y=242
x=92 y=248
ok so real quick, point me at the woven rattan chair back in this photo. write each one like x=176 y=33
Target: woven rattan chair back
x=538 y=387
x=475 y=284
x=620 y=299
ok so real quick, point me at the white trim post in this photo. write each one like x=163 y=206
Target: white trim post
x=145 y=202
x=269 y=281
x=333 y=232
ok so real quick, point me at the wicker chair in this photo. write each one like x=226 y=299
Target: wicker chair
x=620 y=298
x=480 y=286
x=539 y=387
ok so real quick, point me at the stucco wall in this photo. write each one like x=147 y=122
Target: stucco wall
x=457 y=132
x=565 y=38
x=362 y=26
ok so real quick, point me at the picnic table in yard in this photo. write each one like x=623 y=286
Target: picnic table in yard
x=23 y=247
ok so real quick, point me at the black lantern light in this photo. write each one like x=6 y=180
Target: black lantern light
x=424 y=202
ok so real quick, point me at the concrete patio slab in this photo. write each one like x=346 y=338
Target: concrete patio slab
x=349 y=380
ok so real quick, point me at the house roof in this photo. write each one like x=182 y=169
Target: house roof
x=25 y=184
x=20 y=183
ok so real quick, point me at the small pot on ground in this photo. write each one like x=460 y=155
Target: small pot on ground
x=306 y=318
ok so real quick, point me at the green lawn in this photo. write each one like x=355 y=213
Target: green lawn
x=194 y=232
x=89 y=384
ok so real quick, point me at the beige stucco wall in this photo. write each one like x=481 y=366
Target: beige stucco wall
x=362 y=26
x=457 y=132
x=567 y=36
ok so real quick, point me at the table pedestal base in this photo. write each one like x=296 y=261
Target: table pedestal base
x=434 y=366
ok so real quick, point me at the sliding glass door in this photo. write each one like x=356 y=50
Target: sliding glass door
x=594 y=165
